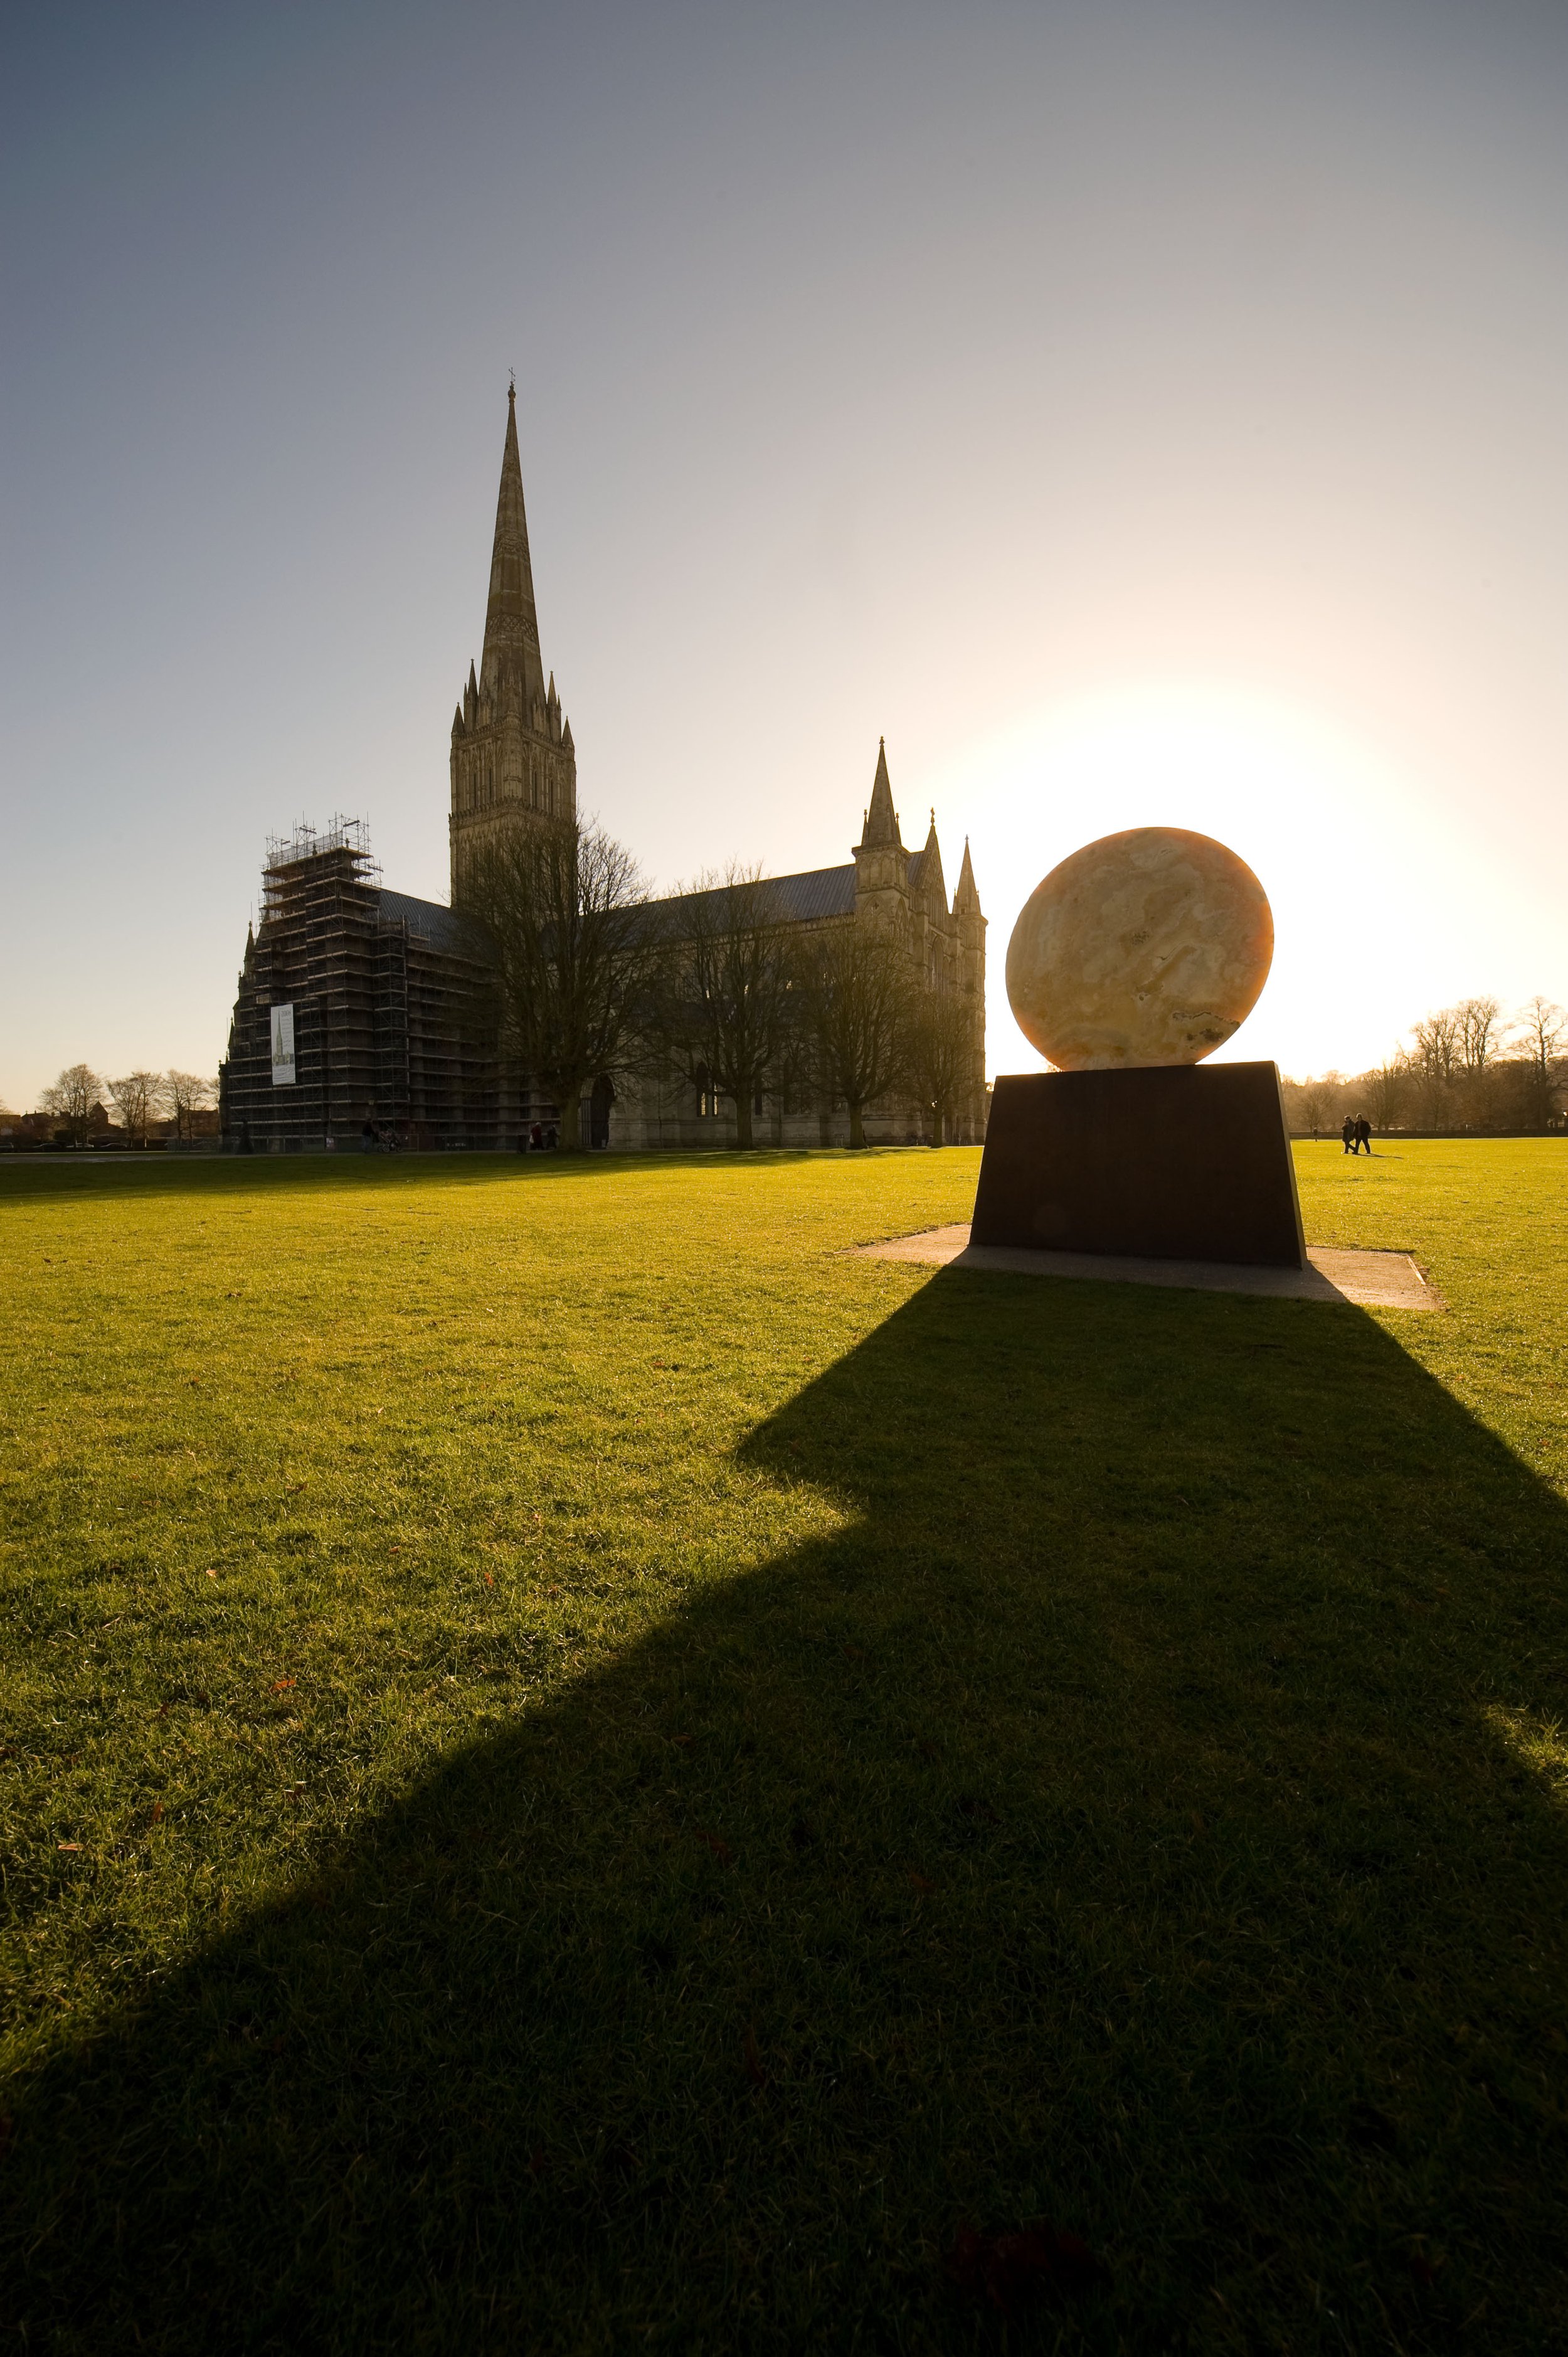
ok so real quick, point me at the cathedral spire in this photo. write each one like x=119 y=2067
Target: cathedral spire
x=511 y=623
x=881 y=819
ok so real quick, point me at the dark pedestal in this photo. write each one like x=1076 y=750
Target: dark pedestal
x=1163 y=1162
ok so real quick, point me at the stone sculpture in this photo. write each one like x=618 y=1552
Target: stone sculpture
x=1136 y=959
x=1144 y=947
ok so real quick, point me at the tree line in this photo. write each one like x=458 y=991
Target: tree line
x=76 y=1106
x=716 y=988
x=1467 y=1067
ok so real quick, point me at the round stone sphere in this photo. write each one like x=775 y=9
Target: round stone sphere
x=1144 y=947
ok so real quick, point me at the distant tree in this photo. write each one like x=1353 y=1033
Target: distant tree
x=858 y=998
x=1435 y=1061
x=1542 y=1027
x=1387 y=1087
x=726 y=1003
x=73 y=1100
x=137 y=1099
x=1437 y=1043
x=185 y=1095
x=1478 y=1037
x=575 y=956
x=1314 y=1104
x=940 y=1057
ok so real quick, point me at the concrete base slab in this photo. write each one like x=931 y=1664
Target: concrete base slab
x=1377 y=1280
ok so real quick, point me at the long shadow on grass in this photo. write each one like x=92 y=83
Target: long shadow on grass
x=1123 y=1820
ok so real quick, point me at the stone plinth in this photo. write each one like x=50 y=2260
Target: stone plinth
x=1165 y=1162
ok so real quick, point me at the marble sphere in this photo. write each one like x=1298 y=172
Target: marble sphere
x=1144 y=947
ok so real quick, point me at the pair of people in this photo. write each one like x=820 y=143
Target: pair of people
x=1356 y=1132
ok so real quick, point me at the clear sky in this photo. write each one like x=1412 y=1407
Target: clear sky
x=1139 y=411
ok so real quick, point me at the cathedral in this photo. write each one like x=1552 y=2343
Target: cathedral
x=360 y=1011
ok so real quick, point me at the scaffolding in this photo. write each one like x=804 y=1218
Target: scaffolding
x=390 y=1010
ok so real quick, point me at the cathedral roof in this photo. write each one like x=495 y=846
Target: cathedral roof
x=799 y=900
x=792 y=899
x=442 y=928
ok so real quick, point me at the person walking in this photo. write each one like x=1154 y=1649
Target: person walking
x=1363 y=1131
x=1348 y=1131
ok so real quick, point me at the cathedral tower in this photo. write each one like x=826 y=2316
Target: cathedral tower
x=513 y=764
x=881 y=862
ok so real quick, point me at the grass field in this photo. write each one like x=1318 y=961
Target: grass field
x=584 y=1772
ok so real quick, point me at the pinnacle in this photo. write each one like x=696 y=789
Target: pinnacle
x=966 y=897
x=933 y=883
x=881 y=819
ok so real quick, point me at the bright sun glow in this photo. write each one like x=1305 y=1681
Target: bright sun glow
x=1369 y=893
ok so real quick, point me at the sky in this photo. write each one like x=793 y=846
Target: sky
x=1139 y=411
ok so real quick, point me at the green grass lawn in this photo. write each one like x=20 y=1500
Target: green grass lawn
x=584 y=1770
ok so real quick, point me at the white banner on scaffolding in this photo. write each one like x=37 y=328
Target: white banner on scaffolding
x=283 y=1048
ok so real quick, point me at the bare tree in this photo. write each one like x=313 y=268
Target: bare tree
x=727 y=1001
x=1435 y=1061
x=137 y=1099
x=940 y=1057
x=1386 y=1086
x=566 y=909
x=1543 y=1026
x=857 y=993
x=1314 y=1104
x=1479 y=1040
x=73 y=1099
x=1437 y=1043
x=187 y=1093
